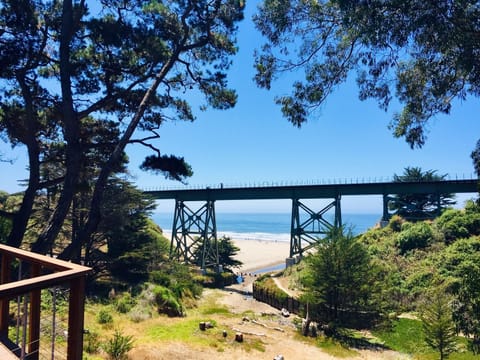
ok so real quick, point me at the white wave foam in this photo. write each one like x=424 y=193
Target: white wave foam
x=246 y=236
x=256 y=236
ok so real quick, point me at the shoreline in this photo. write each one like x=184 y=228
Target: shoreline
x=258 y=254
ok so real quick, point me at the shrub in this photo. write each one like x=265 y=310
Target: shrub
x=125 y=303
x=104 y=317
x=160 y=278
x=91 y=342
x=395 y=223
x=118 y=346
x=415 y=236
x=458 y=224
x=139 y=313
x=167 y=302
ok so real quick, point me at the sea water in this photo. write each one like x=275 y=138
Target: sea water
x=267 y=226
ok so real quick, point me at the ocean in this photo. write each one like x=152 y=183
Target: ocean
x=266 y=226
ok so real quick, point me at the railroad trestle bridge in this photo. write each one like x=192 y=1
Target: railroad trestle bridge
x=197 y=227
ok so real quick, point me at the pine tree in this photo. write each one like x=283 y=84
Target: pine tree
x=437 y=321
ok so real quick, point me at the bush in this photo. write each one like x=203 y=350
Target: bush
x=104 y=317
x=160 y=278
x=395 y=223
x=414 y=236
x=458 y=224
x=125 y=303
x=167 y=302
x=118 y=346
x=91 y=342
x=139 y=313
x=179 y=278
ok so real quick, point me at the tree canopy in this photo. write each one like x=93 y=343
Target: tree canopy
x=423 y=53
x=340 y=277
x=419 y=206
x=121 y=68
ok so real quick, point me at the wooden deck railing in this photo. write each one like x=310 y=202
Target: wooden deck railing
x=44 y=272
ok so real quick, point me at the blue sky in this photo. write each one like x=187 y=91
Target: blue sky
x=252 y=143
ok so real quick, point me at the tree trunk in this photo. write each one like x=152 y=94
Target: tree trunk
x=72 y=136
x=20 y=220
x=94 y=215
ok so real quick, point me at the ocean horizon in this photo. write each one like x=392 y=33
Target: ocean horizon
x=266 y=226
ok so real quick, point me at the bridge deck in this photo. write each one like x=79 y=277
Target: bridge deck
x=319 y=191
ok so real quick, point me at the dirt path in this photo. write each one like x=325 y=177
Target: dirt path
x=260 y=324
x=286 y=342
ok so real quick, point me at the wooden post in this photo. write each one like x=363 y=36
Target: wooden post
x=75 y=318
x=34 y=317
x=5 y=302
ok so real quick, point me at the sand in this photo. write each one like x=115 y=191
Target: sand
x=260 y=254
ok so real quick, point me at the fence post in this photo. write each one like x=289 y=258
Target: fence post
x=4 y=303
x=75 y=318
x=34 y=318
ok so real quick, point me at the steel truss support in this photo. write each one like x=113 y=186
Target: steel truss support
x=194 y=229
x=308 y=225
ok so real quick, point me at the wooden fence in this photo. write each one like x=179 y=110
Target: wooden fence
x=323 y=315
x=269 y=297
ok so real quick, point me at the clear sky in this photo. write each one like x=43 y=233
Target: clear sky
x=253 y=144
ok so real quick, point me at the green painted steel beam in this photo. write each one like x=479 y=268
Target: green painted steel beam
x=318 y=191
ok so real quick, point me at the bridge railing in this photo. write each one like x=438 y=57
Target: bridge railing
x=272 y=183
x=23 y=277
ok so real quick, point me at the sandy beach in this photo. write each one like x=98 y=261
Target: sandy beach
x=257 y=254
x=260 y=254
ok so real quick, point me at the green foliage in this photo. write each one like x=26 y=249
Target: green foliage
x=340 y=276
x=406 y=336
x=7 y=205
x=415 y=236
x=179 y=278
x=387 y=44
x=412 y=256
x=135 y=64
x=396 y=222
x=419 y=206
x=455 y=260
x=134 y=242
x=456 y=224
x=104 y=317
x=467 y=304
x=437 y=322
x=174 y=168
x=118 y=346
x=125 y=303
x=91 y=342
x=227 y=251
x=267 y=284
x=167 y=302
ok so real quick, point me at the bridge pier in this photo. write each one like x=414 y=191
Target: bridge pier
x=386 y=215
x=192 y=230
x=306 y=230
